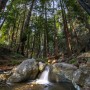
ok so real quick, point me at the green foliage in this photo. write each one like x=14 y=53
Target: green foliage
x=42 y=23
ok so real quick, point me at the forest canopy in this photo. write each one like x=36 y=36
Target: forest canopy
x=42 y=28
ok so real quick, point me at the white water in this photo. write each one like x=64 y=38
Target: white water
x=44 y=77
x=77 y=87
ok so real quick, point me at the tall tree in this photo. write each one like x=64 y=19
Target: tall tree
x=46 y=47
x=23 y=37
x=66 y=31
x=55 y=33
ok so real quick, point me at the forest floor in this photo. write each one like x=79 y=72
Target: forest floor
x=9 y=59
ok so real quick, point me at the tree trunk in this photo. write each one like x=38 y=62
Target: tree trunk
x=55 y=35
x=67 y=34
x=46 y=45
x=26 y=24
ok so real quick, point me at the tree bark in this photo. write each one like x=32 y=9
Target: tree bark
x=55 y=35
x=46 y=38
x=26 y=24
x=67 y=34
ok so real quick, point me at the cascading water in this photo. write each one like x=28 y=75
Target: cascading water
x=44 y=77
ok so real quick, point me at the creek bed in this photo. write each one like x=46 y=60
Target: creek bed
x=26 y=86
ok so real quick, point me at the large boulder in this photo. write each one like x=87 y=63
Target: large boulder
x=27 y=70
x=82 y=76
x=61 y=72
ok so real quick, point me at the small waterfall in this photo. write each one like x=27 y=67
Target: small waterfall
x=77 y=87
x=44 y=77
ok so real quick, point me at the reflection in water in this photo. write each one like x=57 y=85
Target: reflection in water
x=59 y=86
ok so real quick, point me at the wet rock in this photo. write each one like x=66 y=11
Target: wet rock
x=41 y=66
x=61 y=72
x=27 y=70
x=4 y=76
x=82 y=76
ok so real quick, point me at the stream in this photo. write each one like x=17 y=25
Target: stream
x=26 y=86
x=40 y=84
